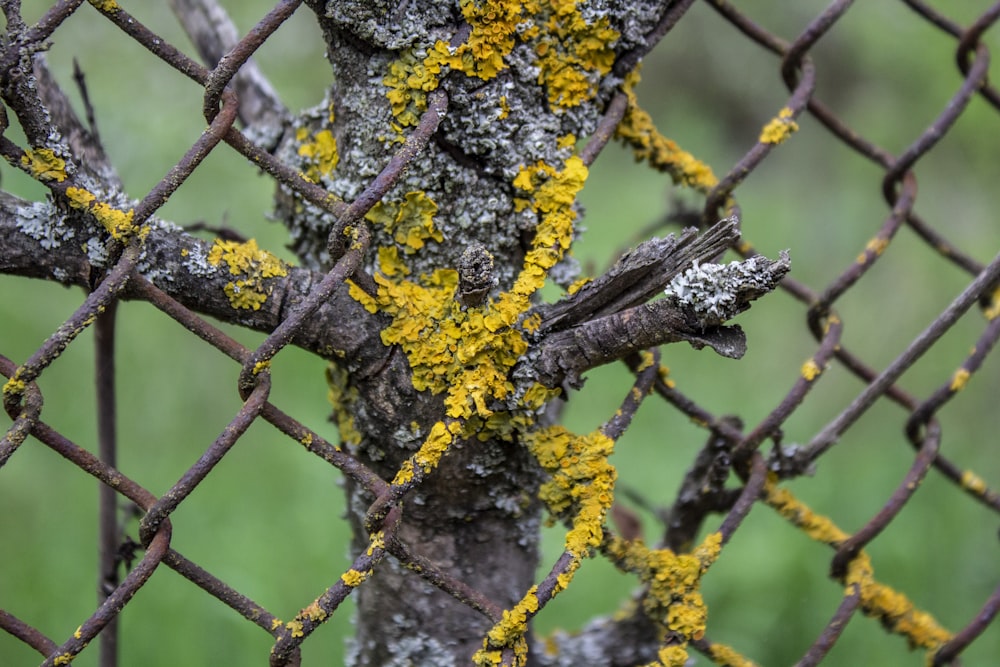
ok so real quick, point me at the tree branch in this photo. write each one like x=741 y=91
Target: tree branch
x=601 y=322
x=40 y=241
x=564 y=355
x=638 y=275
x=214 y=34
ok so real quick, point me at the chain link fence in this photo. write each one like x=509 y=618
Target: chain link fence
x=805 y=424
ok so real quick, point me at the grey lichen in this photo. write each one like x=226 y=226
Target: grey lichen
x=42 y=222
x=719 y=292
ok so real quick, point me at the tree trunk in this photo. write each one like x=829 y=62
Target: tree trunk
x=477 y=514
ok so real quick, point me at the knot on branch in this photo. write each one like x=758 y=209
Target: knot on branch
x=476 y=275
x=612 y=316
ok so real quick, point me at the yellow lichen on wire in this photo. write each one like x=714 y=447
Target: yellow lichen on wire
x=726 y=656
x=510 y=632
x=430 y=452
x=992 y=310
x=672 y=600
x=355 y=578
x=253 y=265
x=959 y=379
x=893 y=609
x=105 y=5
x=810 y=370
x=637 y=130
x=972 y=482
x=779 y=128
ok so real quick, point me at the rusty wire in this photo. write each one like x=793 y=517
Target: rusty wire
x=756 y=469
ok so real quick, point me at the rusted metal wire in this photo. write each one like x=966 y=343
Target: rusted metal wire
x=756 y=473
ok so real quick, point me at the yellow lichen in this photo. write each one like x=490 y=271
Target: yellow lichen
x=993 y=309
x=959 y=379
x=411 y=223
x=514 y=623
x=646 y=361
x=44 y=164
x=342 y=396
x=810 y=370
x=895 y=611
x=665 y=378
x=873 y=248
x=877 y=245
x=581 y=484
x=118 y=223
x=320 y=153
x=105 y=5
x=638 y=131
x=296 y=628
x=64 y=659
x=509 y=632
x=817 y=527
x=276 y=623
x=672 y=600
x=376 y=541
x=672 y=656
x=14 y=387
x=433 y=448
x=468 y=353
x=973 y=482
x=575 y=287
x=253 y=265
x=780 y=128
x=314 y=613
x=355 y=578
x=726 y=656
x=571 y=54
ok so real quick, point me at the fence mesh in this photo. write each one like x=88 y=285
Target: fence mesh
x=947 y=245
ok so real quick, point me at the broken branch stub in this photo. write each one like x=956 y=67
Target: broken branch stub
x=698 y=301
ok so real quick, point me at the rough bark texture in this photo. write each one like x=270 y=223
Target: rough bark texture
x=477 y=514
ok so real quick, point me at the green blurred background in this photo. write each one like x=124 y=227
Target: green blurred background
x=269 y=522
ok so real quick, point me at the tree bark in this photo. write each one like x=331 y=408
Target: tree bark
x=477 y=515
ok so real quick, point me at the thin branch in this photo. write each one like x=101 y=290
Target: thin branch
x=39 y=243
x=564 y=355
x=638 y=275
x=214 y=34
x=601 y=321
